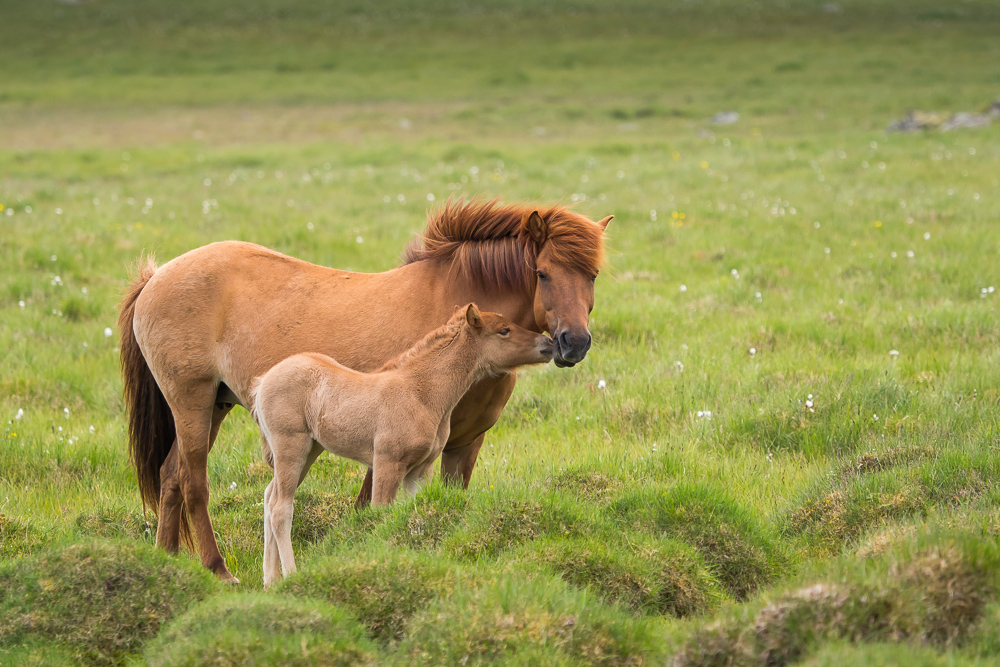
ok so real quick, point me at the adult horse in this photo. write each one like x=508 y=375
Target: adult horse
x=196 y=332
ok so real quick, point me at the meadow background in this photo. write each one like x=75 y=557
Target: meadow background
x=782 y=448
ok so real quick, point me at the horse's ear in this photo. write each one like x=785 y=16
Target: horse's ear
x=604 y=223
x=474 y=317
x=536 y=227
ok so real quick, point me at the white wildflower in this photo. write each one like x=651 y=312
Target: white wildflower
x=601 y=384
x=107 y=332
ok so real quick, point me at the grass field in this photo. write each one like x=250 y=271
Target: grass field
x=782 y=449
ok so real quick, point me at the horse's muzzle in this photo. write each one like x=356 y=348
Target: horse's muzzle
x=570 y=347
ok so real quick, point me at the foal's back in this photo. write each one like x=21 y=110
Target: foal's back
x=313 y=394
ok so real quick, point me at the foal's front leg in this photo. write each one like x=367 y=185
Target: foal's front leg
x=393 y=461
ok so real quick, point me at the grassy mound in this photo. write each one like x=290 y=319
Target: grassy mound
x=382 y=587
x=887 y=486
x=741 y=552
x=646 y=575
x=428 y=519
x=521 y=621
x=495 y=524
x=258 y=629
x=932 y=591
x=104 y=599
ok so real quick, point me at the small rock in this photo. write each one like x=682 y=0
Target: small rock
x=725 y=118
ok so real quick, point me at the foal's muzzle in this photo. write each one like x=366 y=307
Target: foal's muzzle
x=570 y=347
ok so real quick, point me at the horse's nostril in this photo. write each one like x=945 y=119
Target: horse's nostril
x=564 y=341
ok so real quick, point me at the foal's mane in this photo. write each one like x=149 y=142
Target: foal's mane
x=486 y=241
x=440 y=337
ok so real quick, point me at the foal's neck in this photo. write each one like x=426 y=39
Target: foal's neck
x=443 y=373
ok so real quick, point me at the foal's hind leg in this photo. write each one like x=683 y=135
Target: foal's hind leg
x=272 y=561
x=293 y=456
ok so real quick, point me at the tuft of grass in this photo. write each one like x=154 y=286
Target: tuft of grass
x=382 y=588
x=18 y=537
x=258 y=629
x=741 y=552
x=587 y=483
x=105 y=599
x=116 y=522
x=644 y=574
x=877 y=461
x=522 y=621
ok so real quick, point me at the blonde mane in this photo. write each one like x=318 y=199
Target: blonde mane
x=440 y=337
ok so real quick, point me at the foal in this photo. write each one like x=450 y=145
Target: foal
x=395 y=420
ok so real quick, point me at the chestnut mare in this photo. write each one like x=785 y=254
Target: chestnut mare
x=196 y=331
x=395 y=420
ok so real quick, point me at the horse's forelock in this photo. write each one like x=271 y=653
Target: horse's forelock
x=484 y=240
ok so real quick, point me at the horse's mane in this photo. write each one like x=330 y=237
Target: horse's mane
x=485 y=240
x=440 y=337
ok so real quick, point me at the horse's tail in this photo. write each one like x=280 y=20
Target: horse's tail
x=151 y=428
x=259 y=418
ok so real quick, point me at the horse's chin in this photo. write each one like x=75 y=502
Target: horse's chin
x=562 y=363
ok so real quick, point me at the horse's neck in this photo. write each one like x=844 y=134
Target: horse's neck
x=443 y=374
x=458 y=290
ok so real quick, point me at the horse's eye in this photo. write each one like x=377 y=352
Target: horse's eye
x=503 y=332
x=544 y=277
x=593 y=278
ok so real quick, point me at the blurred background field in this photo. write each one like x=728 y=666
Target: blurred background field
x=790 y=409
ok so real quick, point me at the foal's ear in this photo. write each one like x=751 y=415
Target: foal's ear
x=604 y=223
x=474 y=317
x=536 y=227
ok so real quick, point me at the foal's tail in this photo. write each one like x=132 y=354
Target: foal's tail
x=151 y=428
x=259 y=418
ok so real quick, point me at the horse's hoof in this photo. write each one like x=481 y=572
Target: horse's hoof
x=227 y=578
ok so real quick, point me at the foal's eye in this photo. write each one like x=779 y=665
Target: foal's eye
x=503 y=332
x=544 y=277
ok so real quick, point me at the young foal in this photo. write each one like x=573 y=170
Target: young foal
x=395 y=420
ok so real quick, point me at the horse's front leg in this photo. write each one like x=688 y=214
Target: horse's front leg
x=475 y=414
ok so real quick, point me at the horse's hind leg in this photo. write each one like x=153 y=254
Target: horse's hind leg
x=193 y=419
x=169 y=521
x=171 y=499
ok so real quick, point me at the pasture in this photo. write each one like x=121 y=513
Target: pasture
x=782 y=448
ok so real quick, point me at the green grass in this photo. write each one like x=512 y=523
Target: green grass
x=839 y=505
